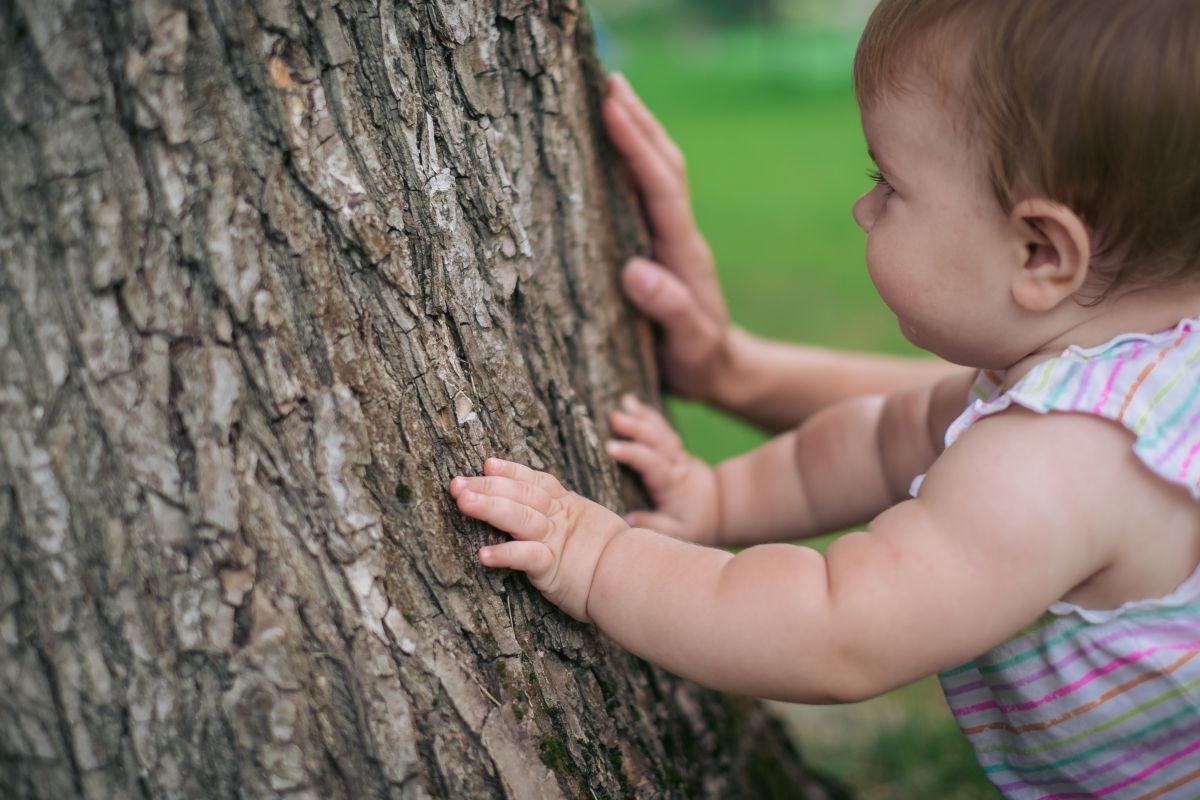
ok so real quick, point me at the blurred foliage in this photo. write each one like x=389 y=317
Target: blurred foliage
x=767 y=120
x=761 y=12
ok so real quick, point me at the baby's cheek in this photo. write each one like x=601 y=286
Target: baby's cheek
x=884 y=271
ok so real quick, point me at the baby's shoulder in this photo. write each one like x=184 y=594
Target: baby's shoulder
x=1080 y=478
x=1146 y=384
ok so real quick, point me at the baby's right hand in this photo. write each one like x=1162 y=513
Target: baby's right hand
x=683 y=487
x=680 y=293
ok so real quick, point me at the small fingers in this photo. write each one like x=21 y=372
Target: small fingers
x=520 y=472
x=524 y=492
x=653 y=466
x=650 y=432
x=664 y=298
x=647 y=122
x=533 y=558
x=510 y=516
x=653 y=171
x=625 y=424
x=649 y=418
x=656 y=166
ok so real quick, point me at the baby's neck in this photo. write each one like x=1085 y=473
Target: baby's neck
x=1144 y=310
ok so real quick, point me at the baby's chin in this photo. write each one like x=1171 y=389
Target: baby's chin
x=916 y=339
x=909 y=332
x=952 y=349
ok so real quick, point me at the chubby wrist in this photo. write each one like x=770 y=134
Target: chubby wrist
x=603 y=549
x=735 y=387
x=720 y=529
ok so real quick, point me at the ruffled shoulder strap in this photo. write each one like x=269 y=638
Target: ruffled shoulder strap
x=1148 y=383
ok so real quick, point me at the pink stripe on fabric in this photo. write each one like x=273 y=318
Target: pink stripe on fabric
x=1187 y=462
x=1072 y=657
x=1083 y=385
x=1132 y=779
x=1112 y=377
x=1063 y=691
x=1139 y=748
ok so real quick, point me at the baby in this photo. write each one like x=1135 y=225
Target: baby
x=1033 y=529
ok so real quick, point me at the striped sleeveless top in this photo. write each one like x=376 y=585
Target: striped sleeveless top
x=1087 y=703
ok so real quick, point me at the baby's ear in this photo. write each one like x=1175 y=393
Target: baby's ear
x=1057 y=254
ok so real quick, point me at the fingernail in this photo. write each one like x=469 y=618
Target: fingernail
x=629 y=402
x=612 y=447
x=485 y=554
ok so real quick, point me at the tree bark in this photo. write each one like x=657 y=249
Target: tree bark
x=272 y=273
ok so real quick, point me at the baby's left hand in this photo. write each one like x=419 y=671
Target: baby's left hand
x=559 y=536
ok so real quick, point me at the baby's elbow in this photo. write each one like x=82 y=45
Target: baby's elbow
x=845 y=679
x=839 y=687
x=850 y=667
x=852 y=684
x=817 y=655
x=839 y=669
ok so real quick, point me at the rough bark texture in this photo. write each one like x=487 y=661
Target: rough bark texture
x=271 y=273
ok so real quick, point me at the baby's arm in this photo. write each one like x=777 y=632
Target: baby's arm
x=779 y=385
x=703 y=356
x=1018 y=513
x=932 y=582
x=845 y=465
x=842 y=467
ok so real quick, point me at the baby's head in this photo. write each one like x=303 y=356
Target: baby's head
x=1094 y=104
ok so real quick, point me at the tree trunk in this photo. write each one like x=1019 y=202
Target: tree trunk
x=272 y=273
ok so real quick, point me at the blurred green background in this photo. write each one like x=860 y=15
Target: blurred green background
x=758 y=96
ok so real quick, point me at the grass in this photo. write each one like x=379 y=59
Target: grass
x=897 y=747
x=775 y=156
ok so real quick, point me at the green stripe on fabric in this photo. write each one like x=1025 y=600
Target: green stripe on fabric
x=1028 y=654
x=1052 y=400
x=1193 y=608
x=1186 y=405
x=1047 y=370
x=1129 y=738
x=1101 y=728
x=1042 y=622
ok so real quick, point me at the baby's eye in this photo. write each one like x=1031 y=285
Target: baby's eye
x=879 y=180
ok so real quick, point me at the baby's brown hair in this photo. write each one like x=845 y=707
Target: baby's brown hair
x=1092 y=103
